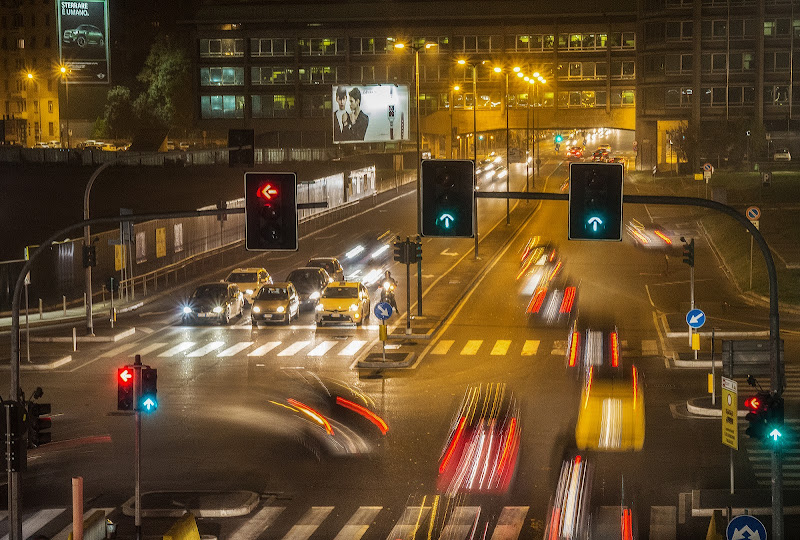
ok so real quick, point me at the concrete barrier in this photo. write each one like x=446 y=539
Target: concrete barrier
x=183 y=529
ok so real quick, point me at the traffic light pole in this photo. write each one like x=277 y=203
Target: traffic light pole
x=407 y=248
x=137 y=455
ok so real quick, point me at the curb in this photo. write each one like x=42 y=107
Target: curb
x=706 y=411
x=6 y=366
x=248 y=506
x=379 y=364
x=755 y=333
x=91 y=339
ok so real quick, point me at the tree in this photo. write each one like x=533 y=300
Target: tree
x=120 y=121
x=166 y=99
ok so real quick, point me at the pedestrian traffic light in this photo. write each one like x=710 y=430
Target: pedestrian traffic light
x=448 y=196
x=125 y=389
x=400 y=254
x=270 y=201
x=688 y=251
x=39 y=424
x=148 y=399
x=241 y=143
x=595 y=201
x=89 y=256
x=757 y=417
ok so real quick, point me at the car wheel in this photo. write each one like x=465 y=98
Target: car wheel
x=101 y=42
x=81 y=41
x=288 y=317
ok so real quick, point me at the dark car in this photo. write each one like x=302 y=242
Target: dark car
x=219 y=302
x=330 y=265
x=83 y=35
x=309 y=282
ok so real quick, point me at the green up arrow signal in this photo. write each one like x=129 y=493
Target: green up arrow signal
x=775 y=434
x=149 y=404
x=595 y=222
x=446 y=220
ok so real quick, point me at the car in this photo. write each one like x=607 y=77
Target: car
x=568 y=517
x=595 y=346
x=782 y=155
x=574 y=152
x=330 y=265
x=611 y=410
x=481 y=450
x=618 y=159
x=343 y=301
x=249 y=280
x=606 y=147
x=500 y=172
x=83 y=35
x=218 y=301
x=601 y=155
x=326 y=416
x=275 y=302
x=553 y=303
x=540 y=262
x=109 y=147
x=183 y=146
x=41 y=144
x=652 y=236
x=54 y=144
x=309 y=282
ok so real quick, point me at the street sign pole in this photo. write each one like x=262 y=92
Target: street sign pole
x=137 y=389
x=407 y=247
x=730 y=422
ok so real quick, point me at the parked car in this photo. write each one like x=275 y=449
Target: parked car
x=782 y=155
x=83 y=35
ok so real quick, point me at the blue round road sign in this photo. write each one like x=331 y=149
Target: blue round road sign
x=695 y=318
x=383 y=310
x=746 y=528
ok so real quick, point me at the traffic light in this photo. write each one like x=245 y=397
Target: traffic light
x=125 y=389
x=448 y=196
x=39 y=423
x=418 y=250
x=774 y=429
x=89 y=256
x=19 y=444
x=400 y=254
x=757 y=416
x=270 y=201
x=148 y=400
x=688 y=251
x=241 y=156
x=559 y=138
x=595 y=201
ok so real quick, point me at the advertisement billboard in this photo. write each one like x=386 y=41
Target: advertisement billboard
x=83 y=40
x=371 y=113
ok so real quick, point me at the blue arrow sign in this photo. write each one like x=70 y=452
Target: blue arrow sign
x=746 y=528
x=383 y=310
x=446 y=220
x=595 y=222
x=695 y=318
x=149 y=404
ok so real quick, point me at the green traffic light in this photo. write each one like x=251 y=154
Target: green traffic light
x=594 y=223
x=446 y=219
x=775 y=434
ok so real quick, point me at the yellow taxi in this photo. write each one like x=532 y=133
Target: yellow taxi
x=611 y=414
x=343 y=302
x=249 y=280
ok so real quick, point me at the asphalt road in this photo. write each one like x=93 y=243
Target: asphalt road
x=216 y=428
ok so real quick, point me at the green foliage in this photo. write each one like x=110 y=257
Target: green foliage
x=119 y=118
x=100 y=129
x=165 y=100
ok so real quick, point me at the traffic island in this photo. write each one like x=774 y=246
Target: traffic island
x=204 y=504
x=393 y=360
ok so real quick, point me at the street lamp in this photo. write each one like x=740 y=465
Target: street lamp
x=37 y=106
x=64 y=72
x=519 y=73
x=416 y=49
x=474 y=67
x=536 y=80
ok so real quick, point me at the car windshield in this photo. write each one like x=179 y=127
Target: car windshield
x=210 y=291
x=272 y=293
x=340 y=292
x=327 y=265
x=304 y=280
x=242 y=277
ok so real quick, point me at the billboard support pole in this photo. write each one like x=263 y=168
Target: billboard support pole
x=419 y=138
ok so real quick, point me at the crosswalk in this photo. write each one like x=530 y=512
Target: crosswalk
x=351 y=347
x=760 y=457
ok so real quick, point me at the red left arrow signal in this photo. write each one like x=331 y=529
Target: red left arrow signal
x=125 y=375
x=267 y=192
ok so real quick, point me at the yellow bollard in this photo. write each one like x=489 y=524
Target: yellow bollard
x=382 y=332
x=710 y=383
x=695 y=342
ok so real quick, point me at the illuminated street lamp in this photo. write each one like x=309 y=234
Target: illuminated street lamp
x=38 y=132
x=474 y=67
x=518 y=71
x=64 y=72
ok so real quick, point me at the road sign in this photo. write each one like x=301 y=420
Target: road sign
x=695 y=318
x=753 y=213
x=383 y=310
x=746 y=528
x=756 y=224
x=730 y=422
x=706 y=175
x=708 y=167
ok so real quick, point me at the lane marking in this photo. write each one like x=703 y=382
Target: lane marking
x=264 y=349
x=500 y=347
x=294 y=348
x=239 y=347
x=352 y=348
x=472 y=346
x=205 y=349
x=309 y=523
x=257 y=524
x=116 y=350
x=509 y=524
x=150 y=348
x=531 y=347
x=179 y=348
x=37 y=521
x=443 y=346
x=322 y=348
x=358 y=524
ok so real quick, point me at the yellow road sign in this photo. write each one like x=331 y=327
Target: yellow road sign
x=730 y=423
x=695 y=342
x=161 y=242
x=119 y=257
x=382 y=334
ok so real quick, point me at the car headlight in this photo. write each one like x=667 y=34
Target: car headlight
x=319 y=307
x=256 y=309
x=218 y=309
x=280 y=309
x=314 y=295
x=249 y=291
x=353 y=307
x=187 y=309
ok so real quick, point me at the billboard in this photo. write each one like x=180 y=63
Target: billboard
x=371 y=113
x=83 y=40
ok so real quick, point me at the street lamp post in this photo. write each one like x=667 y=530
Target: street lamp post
x=37 y=107
x=474 y=67
x=64 y=72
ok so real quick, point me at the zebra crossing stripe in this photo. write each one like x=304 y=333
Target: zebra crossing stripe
x=309 y=523
x=322 y=348
x=205 y=349
x=150 y=348
x=531 y=347
x=179 y=348
x=256 y=525
x=38 y=520
x=410 y=521
x=443 y=346
x=500 y=347
x=294 y=348
x=510 y=523
x=352 y=348
x=264 y=349
x=358 y=524
x=117 y=350
x=462 y=520
x=472 y=346
x=239 y=347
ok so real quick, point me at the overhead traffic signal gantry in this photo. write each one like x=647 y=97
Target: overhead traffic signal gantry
x=448 y=195
x=270 y=201
x=595 y=201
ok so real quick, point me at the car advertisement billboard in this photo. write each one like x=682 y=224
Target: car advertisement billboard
x=83 y=40
x=371 y=113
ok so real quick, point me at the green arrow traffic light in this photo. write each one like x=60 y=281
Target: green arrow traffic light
x=446 y=220
x=775 y=434
x=595 y=222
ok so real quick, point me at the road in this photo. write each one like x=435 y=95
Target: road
x=214 y=430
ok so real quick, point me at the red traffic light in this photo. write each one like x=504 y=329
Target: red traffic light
x=267 y=191
x=753 y=403
x=125 y=375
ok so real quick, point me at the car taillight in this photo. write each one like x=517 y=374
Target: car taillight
x=363 y=411
x=614 y=350
x=567 y=300
x=509 y=441
x=664 y=237
x=453 y=444
x=627 y=524
x=311 y=413
x=635 y=386
x=537 y=300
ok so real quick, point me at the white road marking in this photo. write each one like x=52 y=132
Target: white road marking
x=205 y=349
x=322 y=348
x=500 y=347
x=352 y=348
x=510 y=523
x=531 y=347
x=257 y=524
x=179 y=348
x=116 y=350
x=294 y=348
x=264 y=349
x=472 y=346
x=358 y=524
x=239 y=347
x=309 y=523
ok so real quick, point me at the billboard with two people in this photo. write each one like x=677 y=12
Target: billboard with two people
x=371 y=113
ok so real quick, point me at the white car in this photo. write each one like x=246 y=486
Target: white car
x=782 y=155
